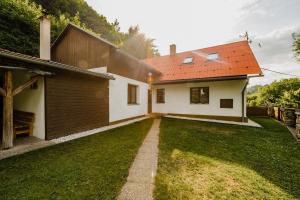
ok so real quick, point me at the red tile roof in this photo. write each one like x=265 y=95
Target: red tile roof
x=235 y=59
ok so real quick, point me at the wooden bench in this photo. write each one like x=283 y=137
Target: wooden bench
x=23 y=122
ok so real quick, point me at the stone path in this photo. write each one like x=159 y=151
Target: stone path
x=140 y=182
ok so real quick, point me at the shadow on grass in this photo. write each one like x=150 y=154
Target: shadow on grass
x=271 y=151
x=93 y=167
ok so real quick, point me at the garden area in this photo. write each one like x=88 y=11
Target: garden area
x=199 y=160
x=279 y=100
x=93 y=167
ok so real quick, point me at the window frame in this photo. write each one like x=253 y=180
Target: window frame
x=199 y=95
x=163 y=98
x=187 y=63
x=212 y=59
x=130 y=100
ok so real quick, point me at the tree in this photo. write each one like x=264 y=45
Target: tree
x=291 y=99
x=19 y=25
x=138 y=45
x=86 y=15
x=296 y=45
x=283 y=92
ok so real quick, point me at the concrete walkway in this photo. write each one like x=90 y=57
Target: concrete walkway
x=249 y=123
x=140 y=182
x=24 y=148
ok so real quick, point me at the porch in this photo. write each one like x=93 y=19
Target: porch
x=22 y=145
x=23 y=119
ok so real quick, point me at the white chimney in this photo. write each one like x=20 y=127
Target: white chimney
x=172 y=49
x=45 y=29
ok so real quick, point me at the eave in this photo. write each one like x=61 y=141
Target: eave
x=225 y=78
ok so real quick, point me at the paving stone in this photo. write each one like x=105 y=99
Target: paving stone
x=140 y=181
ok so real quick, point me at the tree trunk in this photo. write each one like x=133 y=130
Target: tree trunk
x=7 y=141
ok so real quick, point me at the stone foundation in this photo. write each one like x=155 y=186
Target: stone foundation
x=288 y=116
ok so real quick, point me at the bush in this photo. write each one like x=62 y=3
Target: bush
x=284 y=93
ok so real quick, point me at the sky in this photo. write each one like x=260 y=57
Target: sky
x=195 y=24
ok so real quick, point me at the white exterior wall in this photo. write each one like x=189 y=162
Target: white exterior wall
x=31 y=100
x=177 y=98
x=119 y=108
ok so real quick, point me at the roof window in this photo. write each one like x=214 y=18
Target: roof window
x=212 y=56
x=188 y=60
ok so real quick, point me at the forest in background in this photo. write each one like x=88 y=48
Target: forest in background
x=19 y=26
x=284 y=93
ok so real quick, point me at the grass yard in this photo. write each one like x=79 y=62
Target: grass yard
x=199 y=160
x=94 y=167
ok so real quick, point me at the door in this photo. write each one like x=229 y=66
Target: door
x=149 y=101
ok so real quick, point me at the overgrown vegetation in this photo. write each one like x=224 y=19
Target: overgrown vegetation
x=94 y=167
x=199 y=160
x=285 y=93
x=296 y=45
x=19 y=25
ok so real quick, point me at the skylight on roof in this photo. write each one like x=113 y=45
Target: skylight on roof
x=212 y=56
x=188 y=60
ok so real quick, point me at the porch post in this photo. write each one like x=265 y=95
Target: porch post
x=7 y=141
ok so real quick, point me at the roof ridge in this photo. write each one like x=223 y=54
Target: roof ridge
x=182 y=52
x=59 y=37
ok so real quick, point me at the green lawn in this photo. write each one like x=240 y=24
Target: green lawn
x=94 y=167
x=199 y=160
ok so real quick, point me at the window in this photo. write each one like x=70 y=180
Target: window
x=226 y=103
x=199 y=95
x=160 y=96
x=188 y=60
x=213 y=56
x=132 y=94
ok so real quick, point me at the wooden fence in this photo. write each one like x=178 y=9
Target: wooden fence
x=274 y=112
x=257 y=111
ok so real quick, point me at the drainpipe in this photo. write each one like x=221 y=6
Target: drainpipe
x=243 y=100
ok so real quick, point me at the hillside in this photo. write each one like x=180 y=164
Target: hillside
x=19 y=25
x=87 y=15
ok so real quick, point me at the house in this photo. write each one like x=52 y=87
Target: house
x=64 y=99
x=69 y=88
x=206 y=83
x=128 y=91
x=83 y=82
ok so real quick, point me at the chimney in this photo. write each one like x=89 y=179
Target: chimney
x=172 y=49
x=45 y=29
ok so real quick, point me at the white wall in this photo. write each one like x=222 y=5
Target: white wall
x=177 y=98
x=118 y=106
x=31 y=100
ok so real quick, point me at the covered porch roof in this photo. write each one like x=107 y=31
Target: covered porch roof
x=12 y=61
x=10 y=58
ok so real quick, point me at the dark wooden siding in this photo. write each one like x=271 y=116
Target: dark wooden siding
x=79 y=49
x=75 y=103
x=120 y=64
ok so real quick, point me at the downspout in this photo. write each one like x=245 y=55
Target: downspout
x=243 y=100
